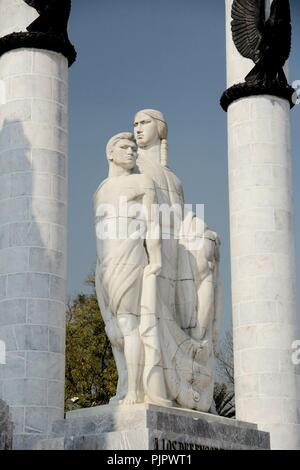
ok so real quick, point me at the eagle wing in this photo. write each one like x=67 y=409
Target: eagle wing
x=43 y=5
x=281 y=14
x=39 y=5
x=248 y=21
x=60 y=7
x=55 y=15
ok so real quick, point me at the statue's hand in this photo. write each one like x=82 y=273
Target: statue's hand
x=154 y=268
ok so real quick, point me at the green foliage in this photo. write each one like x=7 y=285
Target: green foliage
x=224 y=390
x=225 y=362
x=91 y=375
x=224 y=401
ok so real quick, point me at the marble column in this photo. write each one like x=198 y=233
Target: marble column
x=265 y=320
x=33 y=223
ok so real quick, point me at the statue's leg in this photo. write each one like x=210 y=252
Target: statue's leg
x=257 y=74
x=122 y=375
x=133 y=350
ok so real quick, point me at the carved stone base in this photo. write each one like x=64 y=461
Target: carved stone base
x=150 y=427
x=244 y=90
x=6 y=427
x=45 y=41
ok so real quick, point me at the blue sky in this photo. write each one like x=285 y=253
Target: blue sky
x=168 y=55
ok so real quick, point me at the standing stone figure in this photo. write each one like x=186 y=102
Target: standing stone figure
x=158 y=297
x=194 y=272
x=126 y=268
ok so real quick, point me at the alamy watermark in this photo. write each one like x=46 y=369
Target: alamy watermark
x=2 y=353
x=3 y=97
x=136 y=221
x=296 y=353
x=296 y=95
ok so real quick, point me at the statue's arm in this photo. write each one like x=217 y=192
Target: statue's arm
x=153 y=239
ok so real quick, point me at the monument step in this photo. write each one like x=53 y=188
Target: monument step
x=151 y=427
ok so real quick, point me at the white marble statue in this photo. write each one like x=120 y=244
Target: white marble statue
x=126 y=274
x=158 y=296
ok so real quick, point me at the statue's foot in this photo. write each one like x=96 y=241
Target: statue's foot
x=116 y=400
x=130 y=399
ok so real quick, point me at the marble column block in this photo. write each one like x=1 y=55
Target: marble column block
x=263 y=258
x=33 y=222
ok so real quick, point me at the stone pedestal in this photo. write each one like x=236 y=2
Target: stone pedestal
x=33 y=222
x=265 y=323
x=150 y=427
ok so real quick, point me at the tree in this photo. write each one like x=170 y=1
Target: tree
x=224 y=388
x=225 y=363
x=224 y=401
x=91 y=375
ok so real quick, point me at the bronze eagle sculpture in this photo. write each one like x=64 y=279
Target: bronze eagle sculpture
x=54 y=16
x=265 y=41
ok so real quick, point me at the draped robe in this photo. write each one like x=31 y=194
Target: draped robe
x=188 y=364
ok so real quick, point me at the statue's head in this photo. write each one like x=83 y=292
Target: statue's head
x=150 y=128
x=121 y=150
